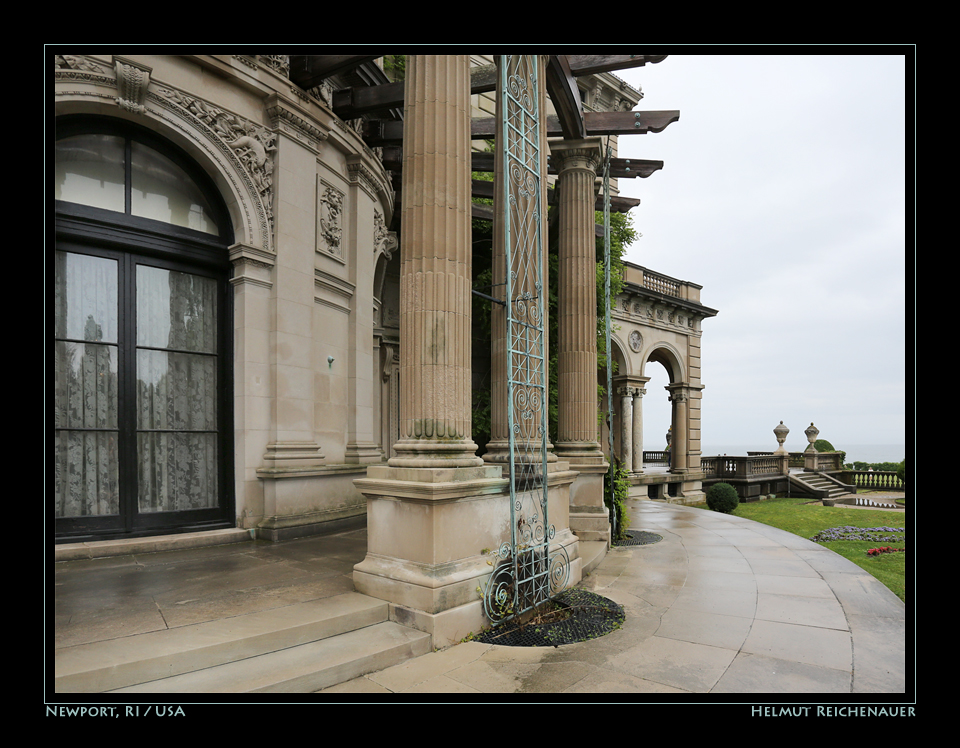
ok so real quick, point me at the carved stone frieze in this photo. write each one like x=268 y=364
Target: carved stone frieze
x=279 y=63
x=77 y=63
x=253 y=145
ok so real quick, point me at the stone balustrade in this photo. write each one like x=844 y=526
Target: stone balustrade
x=884 y=480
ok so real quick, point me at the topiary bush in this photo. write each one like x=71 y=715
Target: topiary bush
x=722 y=497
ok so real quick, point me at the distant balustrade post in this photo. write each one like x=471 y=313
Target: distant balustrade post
x=810 y=462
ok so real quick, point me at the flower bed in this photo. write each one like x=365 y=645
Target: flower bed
x=873 y=534
x=886 y=549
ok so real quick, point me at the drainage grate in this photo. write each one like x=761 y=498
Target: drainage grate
x=576 y=615
x=639 y=537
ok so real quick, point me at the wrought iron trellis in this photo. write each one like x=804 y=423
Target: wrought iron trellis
x=528 y=572
x=607 y=331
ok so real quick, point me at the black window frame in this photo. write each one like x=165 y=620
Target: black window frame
x=133 y=241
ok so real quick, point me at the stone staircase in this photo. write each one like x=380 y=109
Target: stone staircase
x=819 y=485
x=298 y=648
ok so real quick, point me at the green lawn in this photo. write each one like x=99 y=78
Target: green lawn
x=806 y=520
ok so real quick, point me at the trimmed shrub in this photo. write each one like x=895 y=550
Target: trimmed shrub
x=722 y=497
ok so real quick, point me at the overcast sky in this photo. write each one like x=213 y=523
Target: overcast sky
x=783 y=195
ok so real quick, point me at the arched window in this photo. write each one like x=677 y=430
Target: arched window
x=141 y=333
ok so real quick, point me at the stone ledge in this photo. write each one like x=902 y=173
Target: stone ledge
x=152 y=544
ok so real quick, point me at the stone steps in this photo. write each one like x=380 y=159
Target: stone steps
x=818 y=483
x=294 y=649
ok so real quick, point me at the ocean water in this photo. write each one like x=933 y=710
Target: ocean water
x=855 y=452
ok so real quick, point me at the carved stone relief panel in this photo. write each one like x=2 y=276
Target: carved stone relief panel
x=329 y=220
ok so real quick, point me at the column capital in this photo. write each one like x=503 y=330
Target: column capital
x=586 y=154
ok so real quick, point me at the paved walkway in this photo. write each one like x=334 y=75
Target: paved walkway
x=721 y=605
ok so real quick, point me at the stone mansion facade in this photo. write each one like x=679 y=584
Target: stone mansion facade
x=258 y=311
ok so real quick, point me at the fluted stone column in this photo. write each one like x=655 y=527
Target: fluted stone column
x=577 y=442
x=638 y=394
x=626 y=427
x=434 y=507
x=577 y=163
x=435 y=270
x=679 y=397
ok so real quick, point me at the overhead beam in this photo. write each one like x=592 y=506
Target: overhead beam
x=383 y=132
x=565 y=96
x=595 y=123
x=621 y=168
x=309 y=71
x=626 y=123
x=486 y=213
x=592 y=64
x=350 y=103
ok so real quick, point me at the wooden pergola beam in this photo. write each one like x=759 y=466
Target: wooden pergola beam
x=592 y=64
x=595 y=123
x=350 y=103
x=384 y=132
x=620 y=168
x=309 y=71
x=565 y=96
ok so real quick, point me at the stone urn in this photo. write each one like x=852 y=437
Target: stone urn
x=812 y=432
x=781 y=432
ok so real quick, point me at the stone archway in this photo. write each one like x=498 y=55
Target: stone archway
x=658 y=321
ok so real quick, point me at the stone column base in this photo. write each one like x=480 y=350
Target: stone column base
x=589 y=517
x=430 y=536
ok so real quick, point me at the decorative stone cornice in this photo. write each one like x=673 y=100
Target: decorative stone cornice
x=359 y=173
x=642 y=306
x=251 y=266
x=287 y=116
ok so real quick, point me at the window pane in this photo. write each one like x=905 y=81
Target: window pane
x=177 y=471
x=85 y=386
x=176 y=310
x=87 y=474
x=89 y=171
x=85 y=298
x=161 y=190
x=176 y=391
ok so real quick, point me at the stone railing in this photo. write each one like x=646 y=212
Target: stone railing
x=656 y=458
x=741 y=467
x=883 y=480
x=827 y=462
x=661 y=284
